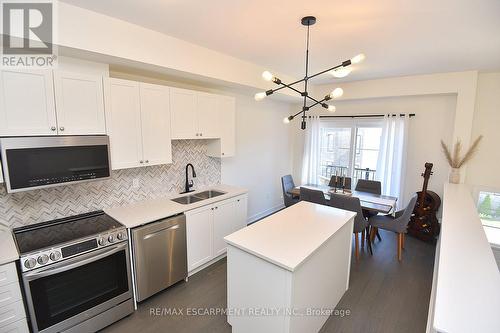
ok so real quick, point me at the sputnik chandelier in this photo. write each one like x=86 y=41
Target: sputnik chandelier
x=338 y=71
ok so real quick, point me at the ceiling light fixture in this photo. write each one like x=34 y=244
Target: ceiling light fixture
x=341 y=70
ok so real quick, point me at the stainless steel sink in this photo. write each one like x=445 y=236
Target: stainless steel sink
x=188 y=199
x=209 y=194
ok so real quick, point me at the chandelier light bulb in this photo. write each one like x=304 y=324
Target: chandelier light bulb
x=341 y=72
x=268 y=76
x=286 y=120
x=260 y=96
x=331 y=108
x=357 y=59
x=336 y=93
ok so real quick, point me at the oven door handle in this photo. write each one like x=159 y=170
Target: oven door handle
x=90 y=257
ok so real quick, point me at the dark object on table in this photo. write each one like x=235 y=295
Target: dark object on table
x=424 y=224
x=315 y=196
x=360 y=224
x=397 y=223
x=287 y=185
x=338 y=182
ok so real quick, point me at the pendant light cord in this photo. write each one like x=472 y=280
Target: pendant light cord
x=307 y=72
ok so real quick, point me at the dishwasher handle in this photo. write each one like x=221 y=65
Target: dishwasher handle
x=176 y=226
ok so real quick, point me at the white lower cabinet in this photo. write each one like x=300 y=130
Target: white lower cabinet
x=12 y=314
x=207 y=226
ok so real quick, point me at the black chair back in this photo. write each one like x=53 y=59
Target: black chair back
x=315 y=196
x=340 y=182
x=287 y=184
x=351 y=204
x=370 y=186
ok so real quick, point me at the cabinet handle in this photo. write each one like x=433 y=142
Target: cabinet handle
x=222 y=154
x=212 y=208
x=141 y=161
x=61 y=128
x=147 y=161
x=238 y=200
x=53 y=128
x=201 y=134
x=196 y=134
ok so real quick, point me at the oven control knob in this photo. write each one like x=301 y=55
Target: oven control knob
x=120 y=235
x=111 y=238
x=30 y=263
x=56 y=255
x=102 y=241
x=43 y=259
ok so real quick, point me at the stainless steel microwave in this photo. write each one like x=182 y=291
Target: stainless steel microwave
x=37 y=162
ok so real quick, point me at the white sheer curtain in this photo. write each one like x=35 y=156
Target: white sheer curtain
x=311 y=159
x=391 y=164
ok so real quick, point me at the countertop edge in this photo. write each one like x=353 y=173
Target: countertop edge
x=8 y=248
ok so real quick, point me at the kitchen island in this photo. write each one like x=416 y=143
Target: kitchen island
x=287 y=272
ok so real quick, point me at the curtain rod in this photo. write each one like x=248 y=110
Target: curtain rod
x=370 y=116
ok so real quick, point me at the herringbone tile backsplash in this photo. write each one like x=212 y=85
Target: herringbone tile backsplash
x=156 y=181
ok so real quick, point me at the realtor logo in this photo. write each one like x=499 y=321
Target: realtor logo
x=27 y=31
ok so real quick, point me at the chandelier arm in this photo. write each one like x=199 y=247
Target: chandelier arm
x=317 y=102
x=329 y=69
x=290 y=87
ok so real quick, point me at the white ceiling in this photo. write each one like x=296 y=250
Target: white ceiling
x=399 y=37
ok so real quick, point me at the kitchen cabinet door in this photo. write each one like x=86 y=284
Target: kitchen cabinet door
x=79 y=103
x=224 y=221
x=208 y=116
x=226 y=146
x=123 y=118
x=199 y=223
x=155 y=120
x=27 y=103
x=183 y=114
x=241 y=212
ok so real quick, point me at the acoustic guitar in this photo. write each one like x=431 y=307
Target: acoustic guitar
x=424 y=224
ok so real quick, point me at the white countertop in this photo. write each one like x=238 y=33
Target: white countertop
x=8 y=249
x=468 y=280
x=290 y=236
x=147 y=211
x=493 y=235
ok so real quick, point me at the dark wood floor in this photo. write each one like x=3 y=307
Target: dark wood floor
x=383 y=296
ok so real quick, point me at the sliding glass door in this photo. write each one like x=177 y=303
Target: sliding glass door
x=349 y=148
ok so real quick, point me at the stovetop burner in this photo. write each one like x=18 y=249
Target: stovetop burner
x=48 y=234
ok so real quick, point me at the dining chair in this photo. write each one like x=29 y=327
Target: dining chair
x=315 y=196
x=360 y=224
x=397 y=223
x=370 y=186
x=340 y=182
x=287 y=184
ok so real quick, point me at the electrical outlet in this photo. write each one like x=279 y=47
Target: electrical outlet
x=135 y=183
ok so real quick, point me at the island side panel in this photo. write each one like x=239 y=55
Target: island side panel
x=256 y=284
x=321 y=281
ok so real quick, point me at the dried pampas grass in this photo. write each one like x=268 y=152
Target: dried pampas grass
x=455 y=161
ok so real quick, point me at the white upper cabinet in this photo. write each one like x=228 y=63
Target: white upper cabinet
x=208 y=116
x=123 y=120
x=79 y=103
x=226 y=146
x=155 y=120
x=27 y=103
x=45 y=102
x=138 y=122
x=183 y=114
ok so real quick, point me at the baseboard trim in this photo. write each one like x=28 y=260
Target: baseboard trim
x=267 y=212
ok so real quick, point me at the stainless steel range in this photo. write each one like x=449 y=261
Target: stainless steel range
x=75 y=272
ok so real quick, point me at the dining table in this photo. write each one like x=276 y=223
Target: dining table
x=369 y=201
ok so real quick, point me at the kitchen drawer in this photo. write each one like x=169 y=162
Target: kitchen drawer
x=20 y=326
x=11 y=313
x=8 y=274
x=9 y=294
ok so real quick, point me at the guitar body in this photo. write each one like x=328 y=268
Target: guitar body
x=424 y=224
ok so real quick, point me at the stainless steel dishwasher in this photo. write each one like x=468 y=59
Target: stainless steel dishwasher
x=159 y=251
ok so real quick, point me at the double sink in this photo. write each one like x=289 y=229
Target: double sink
x=189 y=199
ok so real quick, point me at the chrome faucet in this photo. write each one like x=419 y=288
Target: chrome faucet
x=189 y=183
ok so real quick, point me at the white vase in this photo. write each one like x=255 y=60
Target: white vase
x=454 y=177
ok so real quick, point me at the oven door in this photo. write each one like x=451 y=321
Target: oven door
x=64 y=294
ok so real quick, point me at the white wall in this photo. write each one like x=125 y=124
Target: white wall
x=433 y=121
x=483 y=169
x=263 y=146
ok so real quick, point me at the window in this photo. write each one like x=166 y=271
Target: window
x=349 y=148
x=488 y=206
